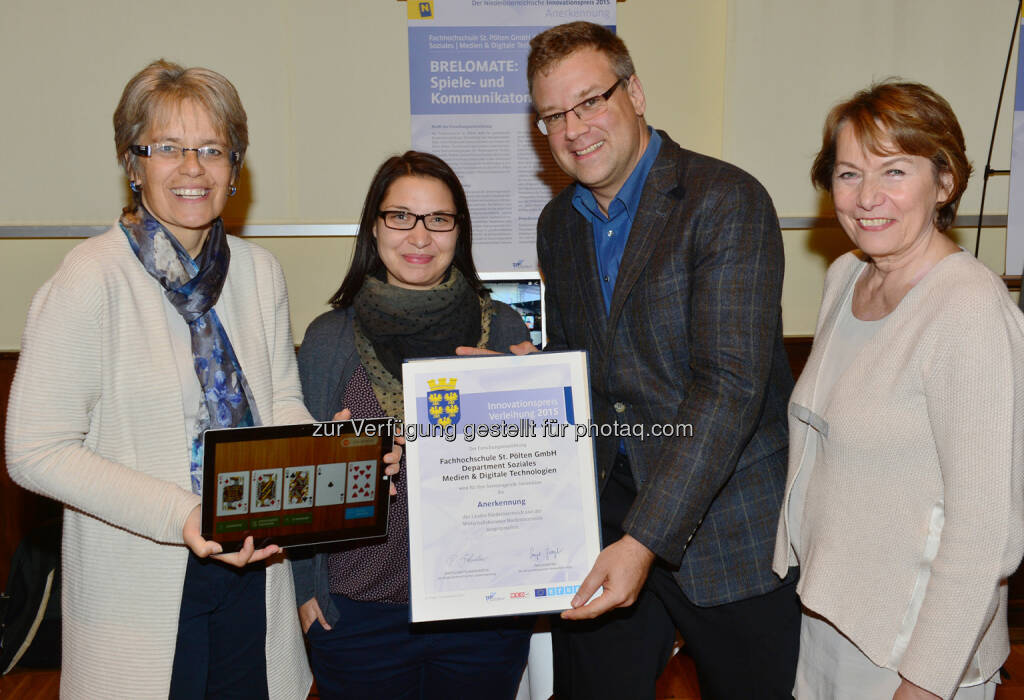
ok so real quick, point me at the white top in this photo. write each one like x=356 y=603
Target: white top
x=851 y=335
x=191 y=389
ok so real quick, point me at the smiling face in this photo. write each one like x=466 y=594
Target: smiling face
x=600 y=153
x=417 y=258
x=886 y=203
x=184 y=194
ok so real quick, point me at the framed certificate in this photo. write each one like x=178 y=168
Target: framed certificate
x=503 y=514
x=296 y=484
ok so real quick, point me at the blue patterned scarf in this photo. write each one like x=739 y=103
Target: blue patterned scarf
x=193 y=287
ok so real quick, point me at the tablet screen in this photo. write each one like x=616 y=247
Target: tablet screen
x=296 y=484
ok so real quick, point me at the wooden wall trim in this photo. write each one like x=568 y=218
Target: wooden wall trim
x=21 y=511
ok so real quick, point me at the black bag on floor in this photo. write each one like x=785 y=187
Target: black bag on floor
x=30 y=608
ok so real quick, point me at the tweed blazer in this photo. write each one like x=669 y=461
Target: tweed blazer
x=914 y=511
x=95 y=421
x=694 y=336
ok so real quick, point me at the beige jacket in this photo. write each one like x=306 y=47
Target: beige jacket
x=96 y=421
x=919 y=487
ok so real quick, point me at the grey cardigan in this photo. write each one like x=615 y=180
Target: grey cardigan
x=327 y=359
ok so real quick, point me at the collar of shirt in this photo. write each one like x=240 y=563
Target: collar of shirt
x=611 y=232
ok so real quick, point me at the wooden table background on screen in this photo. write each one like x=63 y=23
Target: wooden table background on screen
x=282 y=453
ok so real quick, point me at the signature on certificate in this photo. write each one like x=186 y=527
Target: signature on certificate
x=464 y=560
x=547 y=553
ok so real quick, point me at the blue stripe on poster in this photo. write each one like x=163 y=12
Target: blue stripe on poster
x=1018 y=99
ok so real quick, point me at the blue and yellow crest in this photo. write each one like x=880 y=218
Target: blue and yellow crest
x=420 y=9
x=443 y=402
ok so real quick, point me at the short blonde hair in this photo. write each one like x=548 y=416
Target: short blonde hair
x=163 y=86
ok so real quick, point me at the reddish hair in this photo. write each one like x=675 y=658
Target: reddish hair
x=890 y=117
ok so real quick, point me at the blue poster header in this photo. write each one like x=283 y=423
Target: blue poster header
x=469 y=70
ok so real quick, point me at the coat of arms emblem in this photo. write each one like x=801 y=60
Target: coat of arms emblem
x=443 y=402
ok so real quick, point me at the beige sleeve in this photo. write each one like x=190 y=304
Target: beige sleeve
x=56 y=389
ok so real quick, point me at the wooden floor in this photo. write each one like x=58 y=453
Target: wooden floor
x=678 y=682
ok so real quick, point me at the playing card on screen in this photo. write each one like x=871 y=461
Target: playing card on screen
x=233 y=493
x=362 y=481
x=330 y=484
x=266 y=490
x=298 y=487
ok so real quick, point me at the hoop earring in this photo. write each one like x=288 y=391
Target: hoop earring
x=232 y=190
x=134 y=187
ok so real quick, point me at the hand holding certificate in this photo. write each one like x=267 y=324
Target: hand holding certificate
x=502 y=494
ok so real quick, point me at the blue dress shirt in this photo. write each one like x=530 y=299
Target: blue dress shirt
x=611 y=232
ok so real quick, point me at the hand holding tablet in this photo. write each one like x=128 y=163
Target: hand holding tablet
x=297 y=484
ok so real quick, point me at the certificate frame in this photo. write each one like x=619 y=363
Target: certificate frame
x=294 y=485
x=503 y=501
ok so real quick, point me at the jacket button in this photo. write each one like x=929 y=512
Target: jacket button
x=601 y=475
x=619 y=407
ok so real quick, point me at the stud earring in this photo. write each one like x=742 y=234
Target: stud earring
x=134 y=187
x=232 y=190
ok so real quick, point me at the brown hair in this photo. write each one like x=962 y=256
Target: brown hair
x=551 y=46
x=893 y=116
x=160 y=87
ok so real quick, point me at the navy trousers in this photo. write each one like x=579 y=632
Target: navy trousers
x=222 y=633
x=374 y=652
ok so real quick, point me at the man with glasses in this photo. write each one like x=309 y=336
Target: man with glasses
x=666 y=266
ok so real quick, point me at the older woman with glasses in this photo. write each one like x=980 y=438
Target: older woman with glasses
x=412 y=291
x=146 y=336
x=904 y=504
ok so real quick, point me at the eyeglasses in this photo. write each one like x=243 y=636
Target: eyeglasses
x=585 y=110
x=212 y=155
x=436 y=221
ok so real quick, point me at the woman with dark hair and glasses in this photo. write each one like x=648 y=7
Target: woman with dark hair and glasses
x=146 y=336
x=412 y=291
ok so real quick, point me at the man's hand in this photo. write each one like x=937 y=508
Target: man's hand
x=391 y=459
x=523 y=348
x=621 y=569
x=192 y=534
x=309 y=612
x=910 y=691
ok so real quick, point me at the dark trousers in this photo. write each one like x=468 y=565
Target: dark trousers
x=746 y=649
x=374 y=652
x=222 y=633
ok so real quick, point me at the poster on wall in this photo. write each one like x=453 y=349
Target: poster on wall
x=470 y=106
x=1015 y=210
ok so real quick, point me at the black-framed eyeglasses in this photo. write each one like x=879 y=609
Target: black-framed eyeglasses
x=436 y=221
x=214 y=155
x=585 y=110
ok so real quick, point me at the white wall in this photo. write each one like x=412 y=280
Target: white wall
x=789 y=61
